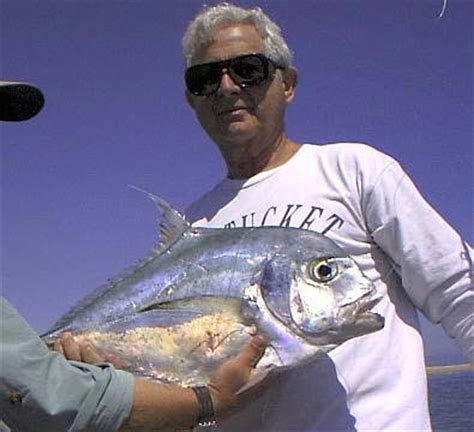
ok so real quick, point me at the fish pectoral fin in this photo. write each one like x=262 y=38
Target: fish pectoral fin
x=200 y=304
x=152 y=318
x=177 y=312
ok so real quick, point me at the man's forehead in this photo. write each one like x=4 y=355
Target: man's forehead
x=229 y=41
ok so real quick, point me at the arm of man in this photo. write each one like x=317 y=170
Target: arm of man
x=42 y=391
x=433 y=261
x=167 y=407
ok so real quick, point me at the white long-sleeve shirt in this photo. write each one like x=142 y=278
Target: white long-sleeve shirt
x=364 y=201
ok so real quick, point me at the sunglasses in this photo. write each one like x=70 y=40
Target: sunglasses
x=248 y=70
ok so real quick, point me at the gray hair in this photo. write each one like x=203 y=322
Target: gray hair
x=199 y=33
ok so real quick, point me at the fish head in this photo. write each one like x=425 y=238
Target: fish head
x=330 y=300
x=322 y=297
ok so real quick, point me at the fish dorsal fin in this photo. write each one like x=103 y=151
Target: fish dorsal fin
x=172 y=225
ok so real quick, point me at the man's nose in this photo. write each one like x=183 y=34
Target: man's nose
x=227 y=84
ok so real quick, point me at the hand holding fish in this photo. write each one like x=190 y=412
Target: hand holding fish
x=83 y=351
x=72 y=350
x=173 y=407
x=234 y=374
x=177 y=405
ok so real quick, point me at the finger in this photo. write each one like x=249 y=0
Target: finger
x=58 y=347
x=89 y=353
x=114 y=359
x=72 y=350
x=253 y=351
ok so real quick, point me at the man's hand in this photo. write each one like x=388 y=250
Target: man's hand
x=168 y=407
x=235 y=374
x=72 y=350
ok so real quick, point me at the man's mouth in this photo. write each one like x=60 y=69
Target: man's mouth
x=232 y=111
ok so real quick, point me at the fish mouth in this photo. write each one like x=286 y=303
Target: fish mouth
x=351 y=320
x=360 y=308
x=357 y=318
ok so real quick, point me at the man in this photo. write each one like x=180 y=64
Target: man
x=42 y=391
x=239 y=81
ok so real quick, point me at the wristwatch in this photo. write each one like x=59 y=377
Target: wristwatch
x=206 y=414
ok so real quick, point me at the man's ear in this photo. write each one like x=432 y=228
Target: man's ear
x=290 y=80
x=189 y=98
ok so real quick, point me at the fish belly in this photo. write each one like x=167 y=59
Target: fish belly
x=185 y=353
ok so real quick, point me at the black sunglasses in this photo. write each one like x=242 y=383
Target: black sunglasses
x=247 y=70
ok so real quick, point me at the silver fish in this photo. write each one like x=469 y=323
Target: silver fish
x=202 y=293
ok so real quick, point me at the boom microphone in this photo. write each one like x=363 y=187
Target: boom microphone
x=19 y=101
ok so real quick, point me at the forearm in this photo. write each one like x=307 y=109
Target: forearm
x=167 y=407
x=161 y=407
x=54 y=394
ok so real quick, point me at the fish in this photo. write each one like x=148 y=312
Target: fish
x=199 y=296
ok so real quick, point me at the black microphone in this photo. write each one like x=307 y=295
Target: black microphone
x=19 y=100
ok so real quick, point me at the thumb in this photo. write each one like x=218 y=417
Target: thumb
x=253 y=351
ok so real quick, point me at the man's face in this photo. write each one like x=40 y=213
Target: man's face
x=234 y=115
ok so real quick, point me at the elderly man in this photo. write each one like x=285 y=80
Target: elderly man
x=42 y=391
x=239 y=81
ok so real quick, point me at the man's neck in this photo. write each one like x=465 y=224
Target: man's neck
x=247 y=161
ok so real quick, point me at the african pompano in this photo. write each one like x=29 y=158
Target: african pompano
x=201 y=294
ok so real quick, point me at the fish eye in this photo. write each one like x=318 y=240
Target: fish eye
x=323 y=271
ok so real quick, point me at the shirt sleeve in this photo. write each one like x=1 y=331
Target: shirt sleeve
x=433 y=261
x=41 y=391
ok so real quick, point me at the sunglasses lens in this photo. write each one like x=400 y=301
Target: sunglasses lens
x=245 y=71
x=249 y=70
x=203 y=79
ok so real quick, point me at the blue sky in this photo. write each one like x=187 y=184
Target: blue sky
x=389 y=73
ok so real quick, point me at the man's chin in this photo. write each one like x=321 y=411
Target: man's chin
x=234 y=133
